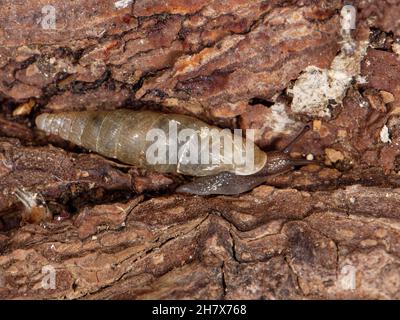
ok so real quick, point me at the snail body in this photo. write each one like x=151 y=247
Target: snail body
x=124 y=135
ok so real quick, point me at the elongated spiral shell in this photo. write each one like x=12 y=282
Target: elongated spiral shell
x=123 y=135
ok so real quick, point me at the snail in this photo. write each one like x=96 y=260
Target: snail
x=130 y=137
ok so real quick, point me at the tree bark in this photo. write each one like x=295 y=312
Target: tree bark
x=107 y=230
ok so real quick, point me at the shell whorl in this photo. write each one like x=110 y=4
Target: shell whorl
x=121 y=135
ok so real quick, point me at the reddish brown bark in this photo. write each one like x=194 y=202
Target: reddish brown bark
x=122 y=232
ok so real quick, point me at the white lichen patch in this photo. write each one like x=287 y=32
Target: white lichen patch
x=280 y=120
x=364 y=104
x=277 y=123
x=316 y=88
x=121 y=4
x=396 y=48
x=361 y=80
x=385 y=135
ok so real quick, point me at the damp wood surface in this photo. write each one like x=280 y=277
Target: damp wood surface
x=118 y=232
